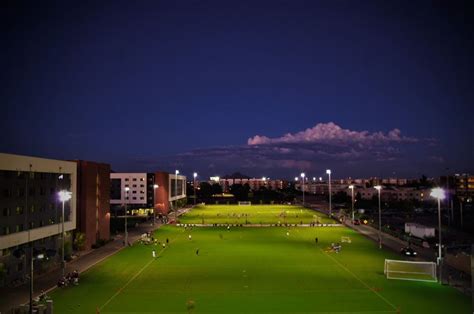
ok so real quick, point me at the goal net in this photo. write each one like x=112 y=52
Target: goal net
x=408 y=270
x=245 y=203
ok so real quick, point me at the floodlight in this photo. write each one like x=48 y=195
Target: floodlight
x=438 y=193
x=64 y=195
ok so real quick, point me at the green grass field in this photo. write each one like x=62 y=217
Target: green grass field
x=253 y=270
x=255 y=214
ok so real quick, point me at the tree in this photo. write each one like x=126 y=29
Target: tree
x=205 y=190
x=240 y=192
x=216 y=189
x=79 y=241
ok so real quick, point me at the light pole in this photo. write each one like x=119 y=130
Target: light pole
x=439 y=194
x=352 y=193
x=126 y=227
x=302 y=179
x=155 y=186
x=32 y=259
x=194 y=186
x=328 y=171
x=64 y=196
x=378 y=188
x=176 y=195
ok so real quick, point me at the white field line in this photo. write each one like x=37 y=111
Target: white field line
x=133 y=278
x=368 y=287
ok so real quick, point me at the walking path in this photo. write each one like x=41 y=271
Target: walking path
x=12 y=297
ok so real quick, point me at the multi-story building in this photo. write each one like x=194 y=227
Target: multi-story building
x=93 y=201
x=464 y=186
x=146 y=191
x=31 y=213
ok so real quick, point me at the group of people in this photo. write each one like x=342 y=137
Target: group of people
x=69 y=279
x=336 y=247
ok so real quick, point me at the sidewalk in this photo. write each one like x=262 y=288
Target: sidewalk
x=12 y=297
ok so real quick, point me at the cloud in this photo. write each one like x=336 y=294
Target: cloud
x=332 y=133
x=326 y=145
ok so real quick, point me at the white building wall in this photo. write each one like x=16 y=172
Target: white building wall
x=23 y=163
x=138 y=188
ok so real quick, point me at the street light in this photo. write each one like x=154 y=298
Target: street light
x=64 y=196
x=155 y=186
x=439 y=194
x=378 y=188
x=32 y=259
x=194 y=186
x=302 y=179
x=176 y=192
x=352 y=188
x=328 y=171
x=125 y=201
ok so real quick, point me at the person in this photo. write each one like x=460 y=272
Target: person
x=153 y=253
x=164 y=244
x=189 y=237
x=316 y=240
x=167 y=241
x=197 y=252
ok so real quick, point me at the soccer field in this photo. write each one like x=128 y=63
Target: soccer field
x=253 y=270
x=255 y=214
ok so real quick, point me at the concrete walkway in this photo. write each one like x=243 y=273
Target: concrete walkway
x=12 y=297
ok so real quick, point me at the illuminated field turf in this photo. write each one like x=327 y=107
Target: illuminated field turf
x=273 y=269
x=255 y=214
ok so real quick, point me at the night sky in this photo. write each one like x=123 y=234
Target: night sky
x=370 y=88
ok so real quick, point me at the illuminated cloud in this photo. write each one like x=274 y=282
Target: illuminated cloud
x=332 y=133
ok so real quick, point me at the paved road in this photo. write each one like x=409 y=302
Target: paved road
x=11 y=297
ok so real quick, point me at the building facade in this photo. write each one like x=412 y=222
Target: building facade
x=93 y=201
x=143 y=192
x=31 y=213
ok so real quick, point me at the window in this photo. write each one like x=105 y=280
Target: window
x=7 y=193
x=134 y=179
x=6 y=212
x=41 y=223
x=32 y=224
x=5 y=252
x=142 y=179
x=19 y=210
x=126 y=179
x=134 y=192
x=142 y=198
x=42 y=191
x=32 y=175
x=6 y=230
x=126 y=185
x=32 y=208
x=19 y=228
x=134 y=198
x=134 y=185
x=20 y=192
x=142 y=185
x=51 y=221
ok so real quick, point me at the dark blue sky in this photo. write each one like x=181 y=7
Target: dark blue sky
x=159 y=85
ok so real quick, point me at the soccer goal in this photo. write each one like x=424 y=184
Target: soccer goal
x=245 y=203
x=346 y=240
x=408 y=270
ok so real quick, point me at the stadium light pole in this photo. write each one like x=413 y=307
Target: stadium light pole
x=125 y=201
x=64 y=196
x=155 y=186
x=328 y=171
x=194 y=186
x=302 y=179
x=176 y=192
x=378 y=188
x=439 y=194
x=352 y=194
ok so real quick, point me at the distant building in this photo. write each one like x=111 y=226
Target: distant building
x=93 y=201
x=31 y=212
x=146 y=191
x=254 y=183
x=464 y=186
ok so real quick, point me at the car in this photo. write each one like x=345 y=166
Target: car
x=408 y=251
x=356 y=222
